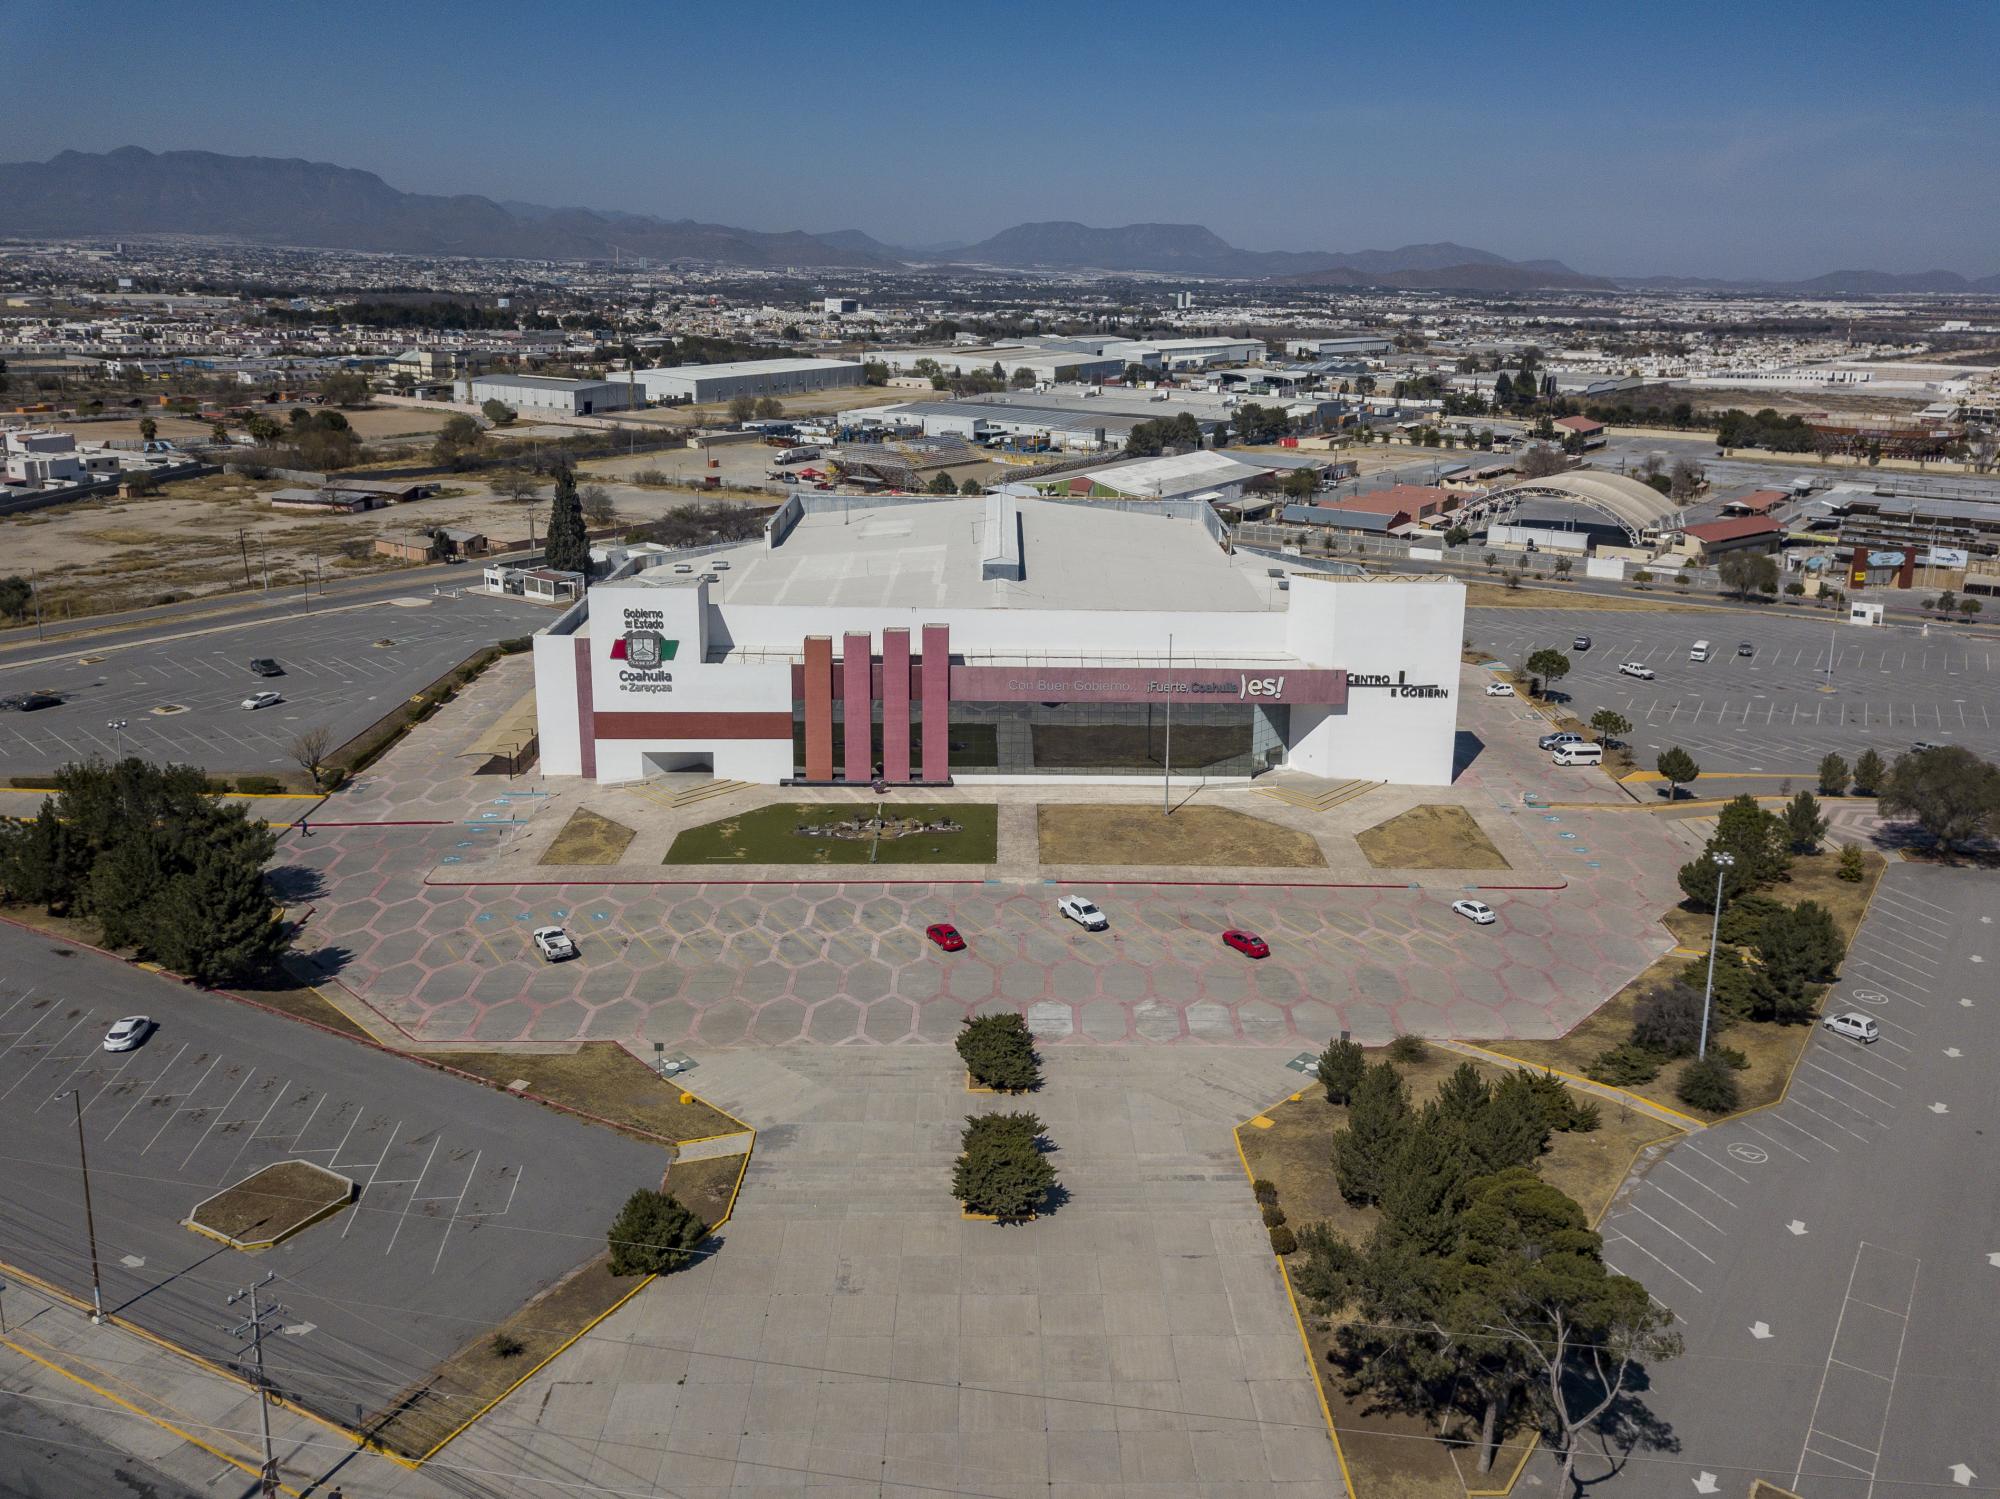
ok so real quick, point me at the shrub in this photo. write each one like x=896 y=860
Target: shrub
x=515 y=644
x=259 y=785
x=999 y=1052
x=1667 y=1022
x=1408 y=1049
x=654 y=1233
x=1283 y=1241
x=1730 y=1057
x=1273 y=1215
x=1585 y=1117
x=1852 y=867
x=1000 y=1169
x=506 y=1345
x=1624 y=1066
x=1708 y=1085
x=1265 y=1192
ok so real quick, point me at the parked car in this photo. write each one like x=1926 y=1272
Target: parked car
x=554 y=943
x=263 y=700
x=264 y=666
x=945 y=935
x=1855 y=1026
x=1560 y=736
x=1637 y=669
x=1499 y=689
x=1581 y=643
x=1083 y=912
x=1924 y=744
x=1475 y=910
x=1248 y=943
x=1745 y=648
x=28 y=702
x=128 y=1034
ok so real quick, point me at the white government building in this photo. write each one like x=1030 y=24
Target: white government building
x=976 y=639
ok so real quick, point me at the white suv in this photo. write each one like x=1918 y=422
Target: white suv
x=1855 y=1026
x=1636 y=669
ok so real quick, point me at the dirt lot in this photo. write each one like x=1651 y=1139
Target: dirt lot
x=1205 y=837
x=588 y=838
x=273 y=1202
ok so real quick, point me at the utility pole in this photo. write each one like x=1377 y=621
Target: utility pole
x=35 y=587
x=75 y=1095
x=243 y=546
x=253 y=1327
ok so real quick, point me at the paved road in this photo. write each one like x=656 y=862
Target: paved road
x=469 y=1200
x=1768 y=712
x=178 y=689
x=1832 y=1260
x=42 y=1456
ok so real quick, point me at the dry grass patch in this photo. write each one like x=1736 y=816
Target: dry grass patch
x=273 y=1203
x=1200 y=837
x=1433 y=836
x=1772 y=1050
x=706 y=1187
x=588 y=838
x=1389 y=1453
x=601 y=1078
x=1499 y=596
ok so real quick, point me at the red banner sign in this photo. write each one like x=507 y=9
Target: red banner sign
x=1120 y=684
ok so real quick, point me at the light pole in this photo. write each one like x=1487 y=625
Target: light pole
x=1167 y=750
x=89 y=1218
x=1723 y=864
x=117 y=726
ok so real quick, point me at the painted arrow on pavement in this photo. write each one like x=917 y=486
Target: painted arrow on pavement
x=1953 y=1051
x=1938 y=1108
x=300 y=1329
x=1706 y=1484
x=1962 y=1475
x=1797 y=1226
x=1993 y=1260
x=1760 y=1330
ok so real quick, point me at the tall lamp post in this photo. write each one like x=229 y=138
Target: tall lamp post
x=75 y=1095
x=1723 y=864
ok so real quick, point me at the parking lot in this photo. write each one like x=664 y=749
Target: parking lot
x=1772 y=711
x=1831 y=1261
x=468 y=1201
x=178 y=697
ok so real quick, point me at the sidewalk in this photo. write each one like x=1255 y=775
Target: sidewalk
x=191 y=1423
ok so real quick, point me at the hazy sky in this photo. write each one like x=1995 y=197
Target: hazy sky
x=1672 y=136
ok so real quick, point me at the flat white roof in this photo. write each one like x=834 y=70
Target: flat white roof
x=750 y=367
x=1076 y=556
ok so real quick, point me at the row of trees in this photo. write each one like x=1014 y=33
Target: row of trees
x=1150 y=439
x=141 y=853
x=1482 y=1293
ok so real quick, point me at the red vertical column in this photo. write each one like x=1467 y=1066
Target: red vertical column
x=586 y=708
x=895 y=705
x=857 y=702
x=936 y=688
x=819 y=707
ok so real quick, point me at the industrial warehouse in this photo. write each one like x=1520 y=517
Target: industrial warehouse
x=962 y=640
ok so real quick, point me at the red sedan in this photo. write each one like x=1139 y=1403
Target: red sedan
x=1248 y=943
x=945 y=935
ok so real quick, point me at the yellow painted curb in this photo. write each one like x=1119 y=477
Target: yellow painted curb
x=143 y=1414
x=1639 y=1102
x=252 y=1245
x=1264 y=1122
x=1512 y=1478
x=972 y=1087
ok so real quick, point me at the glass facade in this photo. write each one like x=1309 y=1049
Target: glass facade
x=1097 y=739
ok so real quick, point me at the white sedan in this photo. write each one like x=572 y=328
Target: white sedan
x=129 y=1033
x=1637 y=669
x=1083 y=912
x=1855 y=1026
x=554 y=943
x=1475 y=910
x=1499 y=689
x=263 y=700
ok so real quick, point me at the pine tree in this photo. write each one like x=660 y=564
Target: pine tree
x=1804 y=826
x=653 y=1233
x=568 y=548
x=1340 y=1069
x=1464 y=1096
x=1378 y=1121
x=1869 y=773
x=1512 y=1130
x=1425 y=1190
x=216 y=922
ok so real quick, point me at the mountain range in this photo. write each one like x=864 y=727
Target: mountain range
x=286 y=201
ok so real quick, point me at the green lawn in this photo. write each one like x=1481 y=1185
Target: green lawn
x=770 y=835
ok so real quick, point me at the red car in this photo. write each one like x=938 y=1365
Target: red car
x=945 y=935
x=1248 y=943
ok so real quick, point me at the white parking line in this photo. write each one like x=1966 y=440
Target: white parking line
x=173 y=1113
x=404 y=1216
x=363 y=1192
x=30 y=1071
x=1686 y=1209
x=1699 y=1183
x=452 y=1222
x=255 y=1130
x=1628 y=1239
x=1772 y=1139
x=1850 y=1056
x=1635 y=1208
x=1821 y=1093
x=147 y=1091
x=219 y=1113
x=1848 y=1083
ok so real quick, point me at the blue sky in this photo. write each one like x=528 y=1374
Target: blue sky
x=1769 y=139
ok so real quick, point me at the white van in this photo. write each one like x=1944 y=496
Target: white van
x=1699 y=652
x=1579 y=754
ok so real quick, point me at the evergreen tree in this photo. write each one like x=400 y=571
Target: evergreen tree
x=216 y=922
x=653 y=1233
x=1833 y=776
x=1513 y=1129
x=1425 y=1190
x=1869 y=773
x=568 y=549
x=1378 y=1121
x=1804 y=826
x=1340 y=1069
x=1677 y=768
x=1464 y=1096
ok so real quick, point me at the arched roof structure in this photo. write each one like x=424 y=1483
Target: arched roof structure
x=1633 y=506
